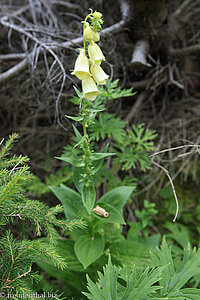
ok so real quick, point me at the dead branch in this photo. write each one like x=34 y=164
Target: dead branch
x=66 y=4
x=181 y=8
x=185 y=51
x=172 y=185
x=14 y=70
x=135 y=107
x=72 y=43
x=12 y=56
x=177 y=148
x=139 y=56
x=125 y=10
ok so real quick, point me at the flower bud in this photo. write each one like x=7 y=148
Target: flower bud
x=90 y=90
x=95 y=53
x=81 y=69
x=98 y=74
x=88 y=33
x=97 y=15
x=96 y=36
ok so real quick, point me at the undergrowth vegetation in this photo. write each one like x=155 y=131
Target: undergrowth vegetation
x=84 y=247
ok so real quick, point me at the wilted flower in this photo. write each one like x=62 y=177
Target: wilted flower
x=90 y=90
x=98 y=74
x=88 y=33
x=81 y=69
x=95 y=53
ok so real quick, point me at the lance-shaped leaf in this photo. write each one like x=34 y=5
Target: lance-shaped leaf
x=88 y=196
x=113 y=203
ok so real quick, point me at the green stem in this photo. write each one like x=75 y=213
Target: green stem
x=84 y=119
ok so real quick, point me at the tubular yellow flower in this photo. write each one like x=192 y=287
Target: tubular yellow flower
x=98 y=74
x=96 y=36
x=90 y=90
x=81 y=69
x=88 y=33
x=95 y=53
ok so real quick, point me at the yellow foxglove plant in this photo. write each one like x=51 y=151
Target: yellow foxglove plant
x=87 y=69
x=90 y=243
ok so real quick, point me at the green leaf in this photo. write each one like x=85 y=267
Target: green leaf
x=117 y=197
x=88 y=197
x=73 y=274
x=133 y=284
x=72 y=202
x=191 y=293
x=179 y=233
x=72 y=160
x=115 y=216
x=77 y=133
x=172 y=281
x=79 y=94
x=108 y=283
x=89 y=248
x=107 y=125
x=78 y=172
x=97 y=156
x=134 y=148
x=113 y=203
x=98 y=159
x=77 y=119
x=132 y=253
x=111 y=91
x=141 y=285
